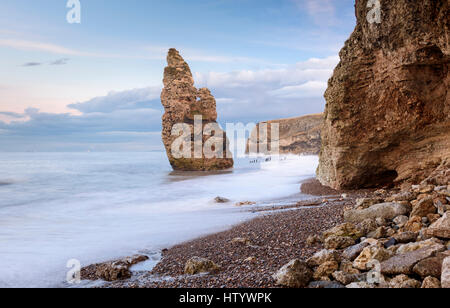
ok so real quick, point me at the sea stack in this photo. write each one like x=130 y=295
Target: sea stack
x=192 y=138
x=387 y=118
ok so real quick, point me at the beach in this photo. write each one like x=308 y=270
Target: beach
x=273 y=240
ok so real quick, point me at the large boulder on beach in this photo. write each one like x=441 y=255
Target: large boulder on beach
x=404 y=263
x=112 y=271
x=197 y=265
x=431 y=283
x=388 y=210
x=369 y=255
x=324 y=256
x=431 y=267
x=295 y=274
x=387 y=117
x=190 y=147
x=344 y=230
x=440 y=228
x=351 y=253
x=404 y=282
x=424 y=208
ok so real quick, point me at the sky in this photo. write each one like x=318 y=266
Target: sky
x=95 y=85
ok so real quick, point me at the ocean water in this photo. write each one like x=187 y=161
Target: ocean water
x=95 y=207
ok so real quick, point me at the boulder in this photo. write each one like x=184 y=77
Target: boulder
x=351 y=253
x=118 y=270
x=346 y=278
x=424 y=208
x=379 y=233
x=364 y=203
x=402 y=196
x=326 y=269
x=431 y=283
x=222 y=200
x=343 y=230
x=401 y=220
x=417 y=245
x=113 y=271
x=390 y=243
x=347 y=267
x=440 y=228
x=405 y=237
x=324 y=256
x=387 y=112
x=414 y=224
x=404 y=282
x=432 y=218
x=338 y=242
x=370 y=254
x=295 y=274
x=197 y=265
x=183 y=105
x=445 y=278
x=383 y=210
x=404 y=263
x=367 y=226
x=431 y=266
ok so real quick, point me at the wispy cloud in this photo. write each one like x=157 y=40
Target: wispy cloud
x=322 y=12
x=62 y=61
x=31 y=64
x=39 y=46
x=13 y=114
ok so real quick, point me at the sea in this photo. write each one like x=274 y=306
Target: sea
x=94 y=207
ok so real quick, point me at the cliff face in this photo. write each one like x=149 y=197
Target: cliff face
x=388 y=106
x=297 y=135
x=183 y=103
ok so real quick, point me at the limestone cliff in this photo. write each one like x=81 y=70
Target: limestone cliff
x=388 y=107
x=296 y=135
x=183 y=103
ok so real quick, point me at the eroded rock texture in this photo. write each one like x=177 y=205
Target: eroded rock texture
x=299 y=135
x=388 y=106
x=182 y=103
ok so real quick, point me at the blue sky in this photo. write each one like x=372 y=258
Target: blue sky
x=96 y=85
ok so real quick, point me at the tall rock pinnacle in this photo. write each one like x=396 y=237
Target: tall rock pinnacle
x=191 y=135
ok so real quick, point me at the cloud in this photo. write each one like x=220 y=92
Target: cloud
x=322 y=12
x=31 y=64
x=62 y=61
x=39 y=46
x=134 y=116
x=145 y=53
x=131 y=99
x=308 y=89
x=253 y=96
x=13 y=114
